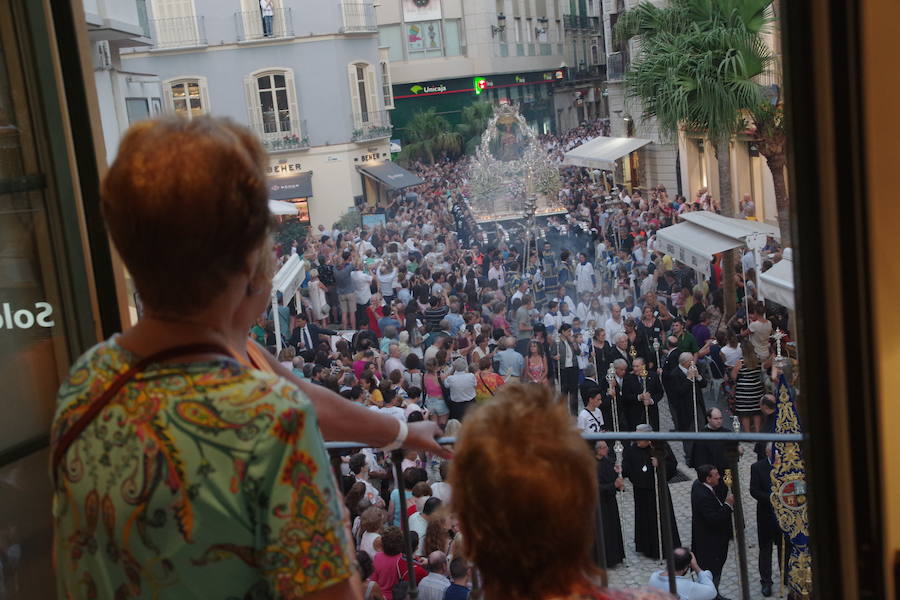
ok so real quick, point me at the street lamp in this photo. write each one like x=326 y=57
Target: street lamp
x=541 y=29
x=500 y=27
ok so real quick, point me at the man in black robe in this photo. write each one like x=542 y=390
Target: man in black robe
x=711 y=524
x=611 y=483
x=641 y=393
x=685 y=394
x=714 y=452
x=767 y=530
x=639 y=466
x=613 y=396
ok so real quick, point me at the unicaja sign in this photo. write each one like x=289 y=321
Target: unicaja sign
x=24 y=318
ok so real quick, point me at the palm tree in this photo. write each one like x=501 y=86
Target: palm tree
x=475 y=118
x=695 y=70
x=769 y=121
x=428 y=135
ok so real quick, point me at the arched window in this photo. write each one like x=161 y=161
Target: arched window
x=187 y=96
x=272 y=104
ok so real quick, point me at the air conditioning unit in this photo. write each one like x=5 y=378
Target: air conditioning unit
x=104 y=59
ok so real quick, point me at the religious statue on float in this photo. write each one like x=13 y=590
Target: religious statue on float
x=509 y=165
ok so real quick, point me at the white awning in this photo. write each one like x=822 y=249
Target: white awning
x=777 y=284
x=738 y=229
x=693 y=245
x=603 y=152
x=282 y=208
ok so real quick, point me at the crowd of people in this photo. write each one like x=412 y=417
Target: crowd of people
x=434 y=314
x=189 y=461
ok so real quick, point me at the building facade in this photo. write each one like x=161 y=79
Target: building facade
x=448 y=54
x=655 y=163
x=306 y=77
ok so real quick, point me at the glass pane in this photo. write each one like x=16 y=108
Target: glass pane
x=180 y=105
x=194 y=89
x=138 y=109
x=281 y=95
x=268 y=112
x=196 y=108
x=31 y=334
x=264 y=82
x=363 y=98
x=452 y=38
x=279 y=81
x=178 y=90
x=25 y=529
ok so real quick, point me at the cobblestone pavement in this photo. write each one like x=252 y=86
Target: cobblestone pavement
x=637 y=568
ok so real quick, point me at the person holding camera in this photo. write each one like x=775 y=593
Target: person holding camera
x=685 y=569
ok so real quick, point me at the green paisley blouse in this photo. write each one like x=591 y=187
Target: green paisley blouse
x=202 y=480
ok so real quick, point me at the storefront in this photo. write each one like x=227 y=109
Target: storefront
x=532 y=91
x=383 y=178
x=295 y=188
x=330 y=171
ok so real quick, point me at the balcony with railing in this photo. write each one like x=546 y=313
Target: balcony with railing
x=771 y=79
x=358 y=17
x=371 y=126
x=180 y=32
x=581 y=23
x=615 y=66
x=280 y=132
x=252 y=26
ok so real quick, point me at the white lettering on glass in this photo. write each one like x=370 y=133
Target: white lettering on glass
x=26 y=319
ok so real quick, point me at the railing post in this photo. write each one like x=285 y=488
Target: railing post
x=664 y=515
x=397 y=460
x=731 y=454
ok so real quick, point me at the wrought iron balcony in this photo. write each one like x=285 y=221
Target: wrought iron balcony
x=371 y=126
x=581 y=23
x=358 y=17
x=279 y=134
x=180 y=32
x=250 y=25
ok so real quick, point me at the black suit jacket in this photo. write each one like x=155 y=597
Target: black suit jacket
x=314 y=332
x=710 y=525
x=631 y=389
x=761 y=489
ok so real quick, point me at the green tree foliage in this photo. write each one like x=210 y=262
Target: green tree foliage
x=429 y=136
x=475 y=118
x=696 y=70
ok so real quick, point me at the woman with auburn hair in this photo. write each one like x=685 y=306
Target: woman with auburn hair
x=183 y=422
x=517 y=461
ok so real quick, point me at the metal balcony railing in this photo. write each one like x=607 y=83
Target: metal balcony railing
x=581 y=23
x=371 y=125
x=665 y=518
x=251 y=25
x=615 y=66
x=280 y=132
x=358 y=17
x=181 y=32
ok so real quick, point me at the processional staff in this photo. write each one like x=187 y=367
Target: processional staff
x=618 y=448
x=692 y=375
x=643 y=375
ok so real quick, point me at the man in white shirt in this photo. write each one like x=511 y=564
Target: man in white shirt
x=433 y=585
x=590 y=419
x=686 y=587
x=496 y=272
x=760 y=330
x=393 y=362
x=362 y=282
x=615 y=324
